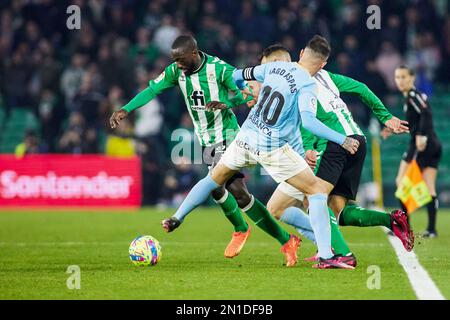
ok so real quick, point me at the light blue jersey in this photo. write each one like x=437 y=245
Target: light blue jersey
x=275 y=119
x=287 y=96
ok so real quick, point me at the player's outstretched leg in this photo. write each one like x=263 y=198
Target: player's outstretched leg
x=401 y=228
x=241 y=232
x=306 y=182
x=396 y=221
x=297 y=218
x=170 y=224
x=237 y=191
x=200 y=192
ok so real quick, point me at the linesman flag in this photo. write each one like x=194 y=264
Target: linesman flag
x=413 y=191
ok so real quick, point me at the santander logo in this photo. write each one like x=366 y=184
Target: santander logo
x=52 y=186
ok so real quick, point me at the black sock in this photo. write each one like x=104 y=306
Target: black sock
x=432 y=210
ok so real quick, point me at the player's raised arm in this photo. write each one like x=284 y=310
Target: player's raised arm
x=165 y=80
x=240 y=97
x=349 y=85
x=256 y=73
x=307 y=103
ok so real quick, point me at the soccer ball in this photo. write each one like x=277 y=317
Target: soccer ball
x=145 y=251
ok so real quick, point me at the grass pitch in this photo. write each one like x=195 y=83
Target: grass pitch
x=37 y=248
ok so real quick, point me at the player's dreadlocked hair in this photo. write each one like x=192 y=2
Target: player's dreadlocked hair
x=320 y=46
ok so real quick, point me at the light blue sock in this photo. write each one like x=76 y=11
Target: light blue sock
x=198 y=194
x=320 y=222
x=299 y=220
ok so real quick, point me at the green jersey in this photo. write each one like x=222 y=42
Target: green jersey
x=333 y=111
x=212 y=81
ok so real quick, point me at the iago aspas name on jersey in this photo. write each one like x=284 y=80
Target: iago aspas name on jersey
x=287 y=76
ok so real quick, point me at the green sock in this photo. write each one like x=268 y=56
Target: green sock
x=356 y=216
x=262 y=218
x=231 y=210
x=337 y=239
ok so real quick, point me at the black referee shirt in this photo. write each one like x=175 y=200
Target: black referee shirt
x=418 y=114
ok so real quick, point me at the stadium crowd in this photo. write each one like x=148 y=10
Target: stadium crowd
x=74 y=79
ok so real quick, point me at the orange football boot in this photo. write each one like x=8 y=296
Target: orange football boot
x=290 y=250
x=236 y=244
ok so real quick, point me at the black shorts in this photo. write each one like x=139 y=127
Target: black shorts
x=429 y=157
x=212 y=155
x=342 y=169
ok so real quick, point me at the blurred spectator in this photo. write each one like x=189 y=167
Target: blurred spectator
x=208 y=33
x=144 y=52
x=444 y=71
x=149 y=118
x=48 y=69
x=226 y=42
x=425 y=57
x=87 y=100
x=113 y=102
x=166 y=34
x=17 y=75
x=30 y=145
x=351 y=19
x=86 y=43
x=343 y=63
x=120 y=142
x=72 y=76
x=153 y=16
x=178 y=182
x=411 y=25
x=394 y=32
x=78 y=139
x=152 y=170
x=374 y=80
x=356 y=56
x=50 y=115
x=387 y=60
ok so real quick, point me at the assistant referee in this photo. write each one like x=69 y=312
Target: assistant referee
x=424 y=143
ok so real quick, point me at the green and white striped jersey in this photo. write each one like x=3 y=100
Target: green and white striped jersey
x=211 y=82
x=333 y=111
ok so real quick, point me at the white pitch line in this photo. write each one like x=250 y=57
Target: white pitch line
x=421 y=282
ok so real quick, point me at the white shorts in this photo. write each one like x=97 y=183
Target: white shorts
x=282 y=163
x=289 y=190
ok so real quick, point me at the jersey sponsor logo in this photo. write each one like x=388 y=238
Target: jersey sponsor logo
x=246 y=146
x=260 y=125
x=337 y=104
x=198 y=100
x=160 y=77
